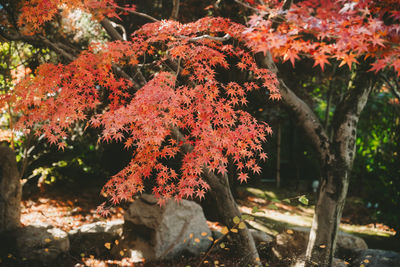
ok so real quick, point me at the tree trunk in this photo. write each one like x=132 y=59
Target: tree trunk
x=336 y=157
x=227 y=208
x=10 y=191
x=328 y=211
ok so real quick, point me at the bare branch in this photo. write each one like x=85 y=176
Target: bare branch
x=114 y=34
x=306 y=118
x=110 y=29
x=57 y=49
x=224 y=38
x=138 y=14
x=246 y=5
x=393 y=90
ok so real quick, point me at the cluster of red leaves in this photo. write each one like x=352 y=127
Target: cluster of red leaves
x=35 y=13
x=189 y=98
x=345 y=30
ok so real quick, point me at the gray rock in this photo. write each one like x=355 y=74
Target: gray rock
x=10 y=191
x=91 y=238
x=339 y=263
x=376 y=258
x=216 y=234
x=292 y=245
x=39 y=243
x=261 y=238
x=335 y=263
x=164 y=232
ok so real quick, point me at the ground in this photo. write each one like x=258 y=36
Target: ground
x=68 y=208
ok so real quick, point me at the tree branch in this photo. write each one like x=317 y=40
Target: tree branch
x=393 y=90
x=224 y=38
x=247 y=5
x=306 y=118
x=138 y=14
x=114 y=34
x=57 y=49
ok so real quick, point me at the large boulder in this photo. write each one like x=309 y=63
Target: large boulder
x=376 y=258
x=93 y=238
x=10 y=191
x=157 y=233
x=293 y=243
x=40 y=243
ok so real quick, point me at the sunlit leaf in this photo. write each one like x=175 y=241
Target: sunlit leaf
x=224 y=230
x=303 y=199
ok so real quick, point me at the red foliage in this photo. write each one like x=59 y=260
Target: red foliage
x=190 y=98
x=344 y=30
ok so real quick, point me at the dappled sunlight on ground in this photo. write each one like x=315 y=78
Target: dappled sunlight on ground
x=274 y=216
x=65 y=214
x=71 y=209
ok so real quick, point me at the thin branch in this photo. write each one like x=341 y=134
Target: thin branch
x=114 y=34
x=281 y=17
x=247 y=5
x=175 y=9
x=138 y=14
x=394 y=91
x=57 y=49
x=224 y=38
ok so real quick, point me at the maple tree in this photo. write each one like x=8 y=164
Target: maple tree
x=359 y=35
x=177 y=105
x=158 y=91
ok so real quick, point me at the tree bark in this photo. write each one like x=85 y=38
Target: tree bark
x=328 y=211
x=336 y=160
x=227 y=208
x=335 y=175
x=10 y=191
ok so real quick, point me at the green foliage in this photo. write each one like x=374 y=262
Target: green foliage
x=303 y=200
x=376 y=168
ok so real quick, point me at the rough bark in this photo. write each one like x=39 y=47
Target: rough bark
x=335 y=177
x=10 y=191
